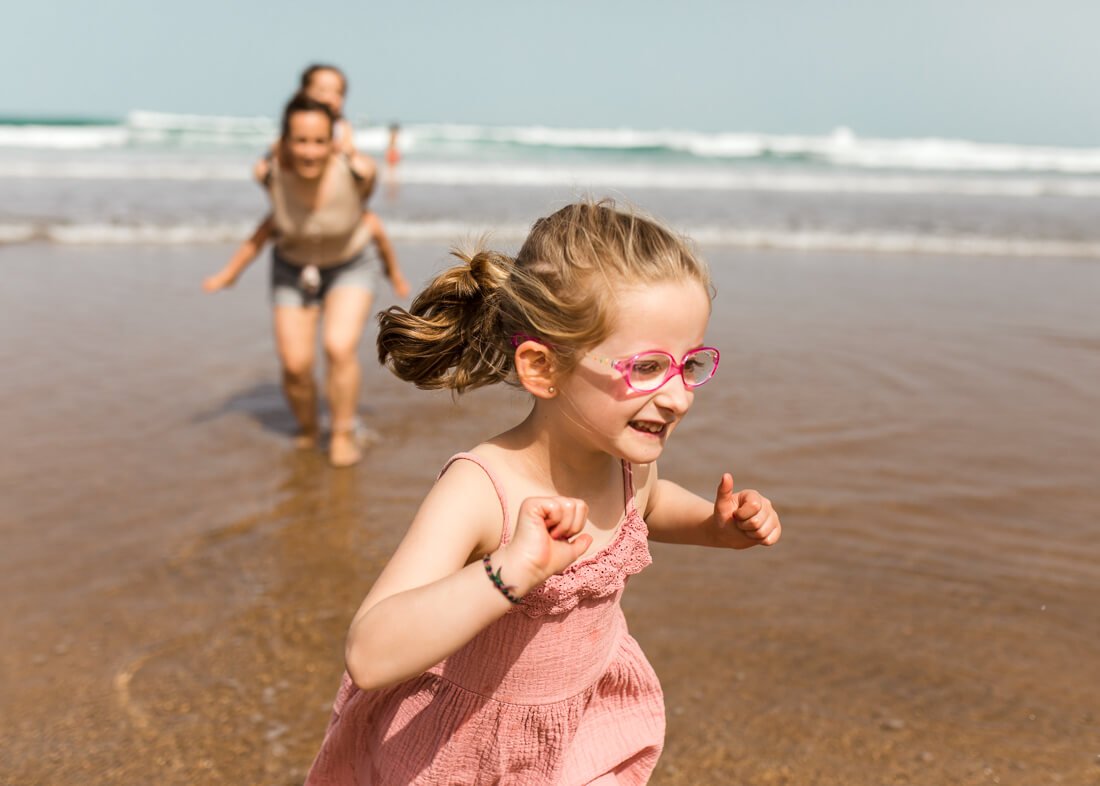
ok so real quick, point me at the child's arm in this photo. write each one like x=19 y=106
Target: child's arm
x=362 y=166
x=735 y=520
x=433 y=596
x=241 y=258
x=261 y=170
x=366 y=173
x=346 y=142
x=385 y=250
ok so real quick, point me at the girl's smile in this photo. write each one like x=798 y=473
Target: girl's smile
x=647 y=427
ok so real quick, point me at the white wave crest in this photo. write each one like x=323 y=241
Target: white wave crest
x=448 y=232
x=45 y=137
x=194 y=170
x=588 y=176
x=841 y=148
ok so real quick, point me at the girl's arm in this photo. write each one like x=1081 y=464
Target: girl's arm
x=385 y=250
x=241 y=258
x=433 y=596
x=361 y=165
x=346 y=142
x=735 y=520
x=261 y=170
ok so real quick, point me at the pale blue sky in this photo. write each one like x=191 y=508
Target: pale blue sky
x=989 y=70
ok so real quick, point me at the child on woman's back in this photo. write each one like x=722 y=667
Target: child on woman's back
x=492 y=648
x=329 y=85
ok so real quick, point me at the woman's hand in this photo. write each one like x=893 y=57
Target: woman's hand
x=744 y=518
x=547 y=540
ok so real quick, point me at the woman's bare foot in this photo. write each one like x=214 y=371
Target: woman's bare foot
x=305 y=439
x=343 y=448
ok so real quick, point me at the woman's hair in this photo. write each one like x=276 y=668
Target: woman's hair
x=311 y=71
x=560 y=289
x=303 y=103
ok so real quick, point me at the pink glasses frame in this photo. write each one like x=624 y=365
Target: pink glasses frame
x=623 y=366
x=674 y=368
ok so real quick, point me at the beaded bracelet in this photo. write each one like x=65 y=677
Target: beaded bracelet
x=498 y=582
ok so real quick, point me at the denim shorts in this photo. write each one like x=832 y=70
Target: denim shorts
x=288 y=289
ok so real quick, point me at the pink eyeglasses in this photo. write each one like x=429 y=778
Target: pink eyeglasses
x=649 y=371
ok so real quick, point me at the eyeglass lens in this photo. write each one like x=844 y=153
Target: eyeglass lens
x=648 y=372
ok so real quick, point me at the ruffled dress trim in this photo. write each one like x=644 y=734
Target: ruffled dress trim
x=600 y=576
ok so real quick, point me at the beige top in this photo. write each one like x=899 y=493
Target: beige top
x=325 y=237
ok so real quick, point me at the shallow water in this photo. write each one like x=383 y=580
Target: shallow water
x=176 y=580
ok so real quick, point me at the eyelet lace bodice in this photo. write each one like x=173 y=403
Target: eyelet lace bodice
x=599 y=576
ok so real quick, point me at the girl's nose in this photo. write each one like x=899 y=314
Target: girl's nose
x=675 y=395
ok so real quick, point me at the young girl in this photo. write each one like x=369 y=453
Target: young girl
x=492 y=648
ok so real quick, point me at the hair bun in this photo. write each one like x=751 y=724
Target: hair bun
x=489 y=270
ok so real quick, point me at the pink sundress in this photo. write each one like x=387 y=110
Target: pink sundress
x=554 y=692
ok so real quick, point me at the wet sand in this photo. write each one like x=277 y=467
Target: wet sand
x=176 y=581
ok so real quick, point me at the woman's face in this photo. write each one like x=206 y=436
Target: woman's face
x=309 y=144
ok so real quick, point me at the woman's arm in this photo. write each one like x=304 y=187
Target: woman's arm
x=385 y=250
x=735 y=520
x=433 y=597
x=241 y=258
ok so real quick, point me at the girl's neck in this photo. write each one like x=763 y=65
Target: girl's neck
x=546 y=454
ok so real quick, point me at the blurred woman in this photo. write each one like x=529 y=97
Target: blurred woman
x=321 y=264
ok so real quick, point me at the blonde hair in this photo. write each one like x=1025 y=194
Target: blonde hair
x=559 y=289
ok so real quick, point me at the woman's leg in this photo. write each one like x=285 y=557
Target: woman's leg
x=295 y=341
x=346 y=310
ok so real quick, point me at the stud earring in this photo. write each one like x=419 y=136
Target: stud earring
x=551 y=390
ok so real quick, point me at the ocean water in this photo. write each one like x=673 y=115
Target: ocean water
x=923 y=415
x=155 y=178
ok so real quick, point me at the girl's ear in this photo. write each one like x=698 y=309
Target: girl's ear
x=535 y=369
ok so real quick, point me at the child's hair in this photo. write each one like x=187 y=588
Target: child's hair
x=560 y=289
x=311 y=71
x=303 y=103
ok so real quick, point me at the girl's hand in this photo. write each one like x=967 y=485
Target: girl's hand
x=547 y=540
x=745 y=518
x=400 y=285
x=218 y=281
x=261 y=170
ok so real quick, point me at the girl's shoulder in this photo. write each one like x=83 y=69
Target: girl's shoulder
x=470 y=481
x=477 y=462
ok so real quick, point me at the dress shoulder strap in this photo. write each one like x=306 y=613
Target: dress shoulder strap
x=628 y=486
x=496 y=487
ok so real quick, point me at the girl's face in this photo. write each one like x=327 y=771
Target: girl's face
x=596 y=402
x=327 y=87
x=309 y=144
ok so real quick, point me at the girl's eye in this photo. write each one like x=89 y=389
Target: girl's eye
x=647 y=368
